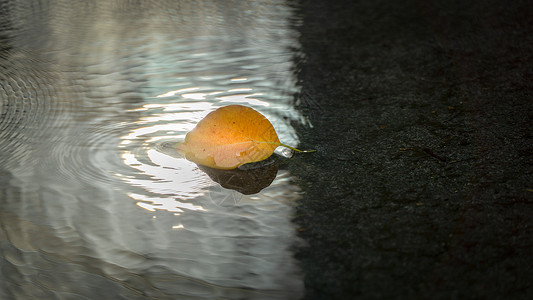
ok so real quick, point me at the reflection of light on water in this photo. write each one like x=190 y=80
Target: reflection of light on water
x=231 y=97
x=139 y=132
x=168 y=175
x=172 y=93
x=195 y=96
x=239 y=79
x=168 y=203
x=244 y=98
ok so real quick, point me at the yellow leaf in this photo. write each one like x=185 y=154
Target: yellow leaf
x=229 y=137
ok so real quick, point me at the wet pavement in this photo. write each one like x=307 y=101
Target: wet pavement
x=422 y=186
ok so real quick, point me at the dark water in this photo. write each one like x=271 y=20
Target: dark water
x=93 y=202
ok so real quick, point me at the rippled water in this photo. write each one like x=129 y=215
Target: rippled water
x=94 y=201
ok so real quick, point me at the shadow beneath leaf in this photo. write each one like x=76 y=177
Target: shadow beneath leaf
x=247 y=179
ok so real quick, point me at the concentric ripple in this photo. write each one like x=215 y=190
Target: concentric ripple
x=32 y=103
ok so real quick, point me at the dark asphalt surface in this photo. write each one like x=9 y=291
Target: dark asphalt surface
x=422 y=186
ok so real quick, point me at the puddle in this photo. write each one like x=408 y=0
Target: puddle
x=93 y=201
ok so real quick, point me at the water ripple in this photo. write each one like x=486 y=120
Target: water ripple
x=32 y=104
x=93 y=99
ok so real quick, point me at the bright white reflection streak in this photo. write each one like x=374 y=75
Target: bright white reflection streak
x=172 y=93
x=240 y=90
x=162 y=203
x=195 y=96
x=168 y=176
x=244 y=98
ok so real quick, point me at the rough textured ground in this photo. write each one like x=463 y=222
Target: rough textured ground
x=422 y=186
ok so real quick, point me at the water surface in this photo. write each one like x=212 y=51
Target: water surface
x=94 y=203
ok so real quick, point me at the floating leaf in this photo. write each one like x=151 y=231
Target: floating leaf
x=229 y=137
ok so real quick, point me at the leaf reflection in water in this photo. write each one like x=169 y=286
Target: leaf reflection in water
x=245 y=181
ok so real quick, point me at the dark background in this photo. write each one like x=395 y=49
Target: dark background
x=421 y=187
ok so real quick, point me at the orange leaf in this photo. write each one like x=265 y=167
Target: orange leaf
x=229 y=137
